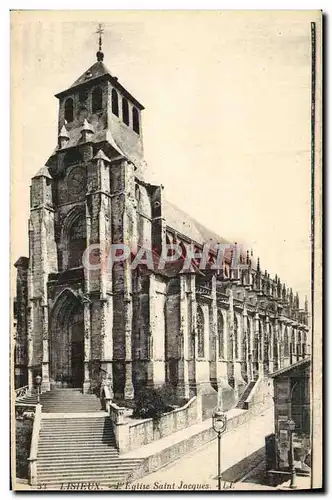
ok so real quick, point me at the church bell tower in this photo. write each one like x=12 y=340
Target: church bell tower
x=79 y=321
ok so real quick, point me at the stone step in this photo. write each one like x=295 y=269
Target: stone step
x=74 y=444
x=80 y=417
x=51 y=445
x=83 y=454
x=70 y=457
x=106 y=467
x=98 y=429
x=76 y=435
x=94 y=475
x=49 y=460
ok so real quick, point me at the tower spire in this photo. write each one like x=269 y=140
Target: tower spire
x=100 y=54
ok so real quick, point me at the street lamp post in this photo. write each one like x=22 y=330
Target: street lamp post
x=38 y=382
x=219 y=420
x=291 y=428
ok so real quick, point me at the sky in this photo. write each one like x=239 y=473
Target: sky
x=226 y=125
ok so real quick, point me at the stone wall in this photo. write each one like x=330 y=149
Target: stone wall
x=146 y=431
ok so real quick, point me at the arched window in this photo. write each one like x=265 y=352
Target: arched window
x=200 y=332
x=260 y=333
x=266 y=329
x=69 y=110
x=97 y=100
x=270 y=341
x=249 y=334
x=125 y=111
x=115 y=102
x=236 y=337
x=293 y=340
x=304 y=344
x=286 y=343
x=135 y=121
x=220 y=326
x=77 y=241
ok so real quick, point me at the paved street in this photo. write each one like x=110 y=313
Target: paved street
x=200 y=466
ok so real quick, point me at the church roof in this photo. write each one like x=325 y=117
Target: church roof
x=100 y=155
x=96 y=71
x=186 y=225
x=43 y=172
x=22 y=262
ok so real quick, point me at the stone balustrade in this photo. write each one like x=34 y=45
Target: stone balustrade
x=34 y=445
x=21 y=392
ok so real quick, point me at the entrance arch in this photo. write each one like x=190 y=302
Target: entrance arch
x=67 y=341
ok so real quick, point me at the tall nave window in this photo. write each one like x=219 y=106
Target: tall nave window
x=220 y=326
x=236 y=337
x=200 y=332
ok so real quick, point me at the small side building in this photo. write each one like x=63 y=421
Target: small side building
x=291 y=402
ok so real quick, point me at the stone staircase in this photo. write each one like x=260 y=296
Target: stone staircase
x=242 y=404
x=76 y=447
x=80 y=450
x=65 y=401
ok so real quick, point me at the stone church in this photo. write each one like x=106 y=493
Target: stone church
x=213 y=329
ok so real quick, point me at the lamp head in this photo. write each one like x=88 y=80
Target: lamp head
x=38 y=380
x=219 y=420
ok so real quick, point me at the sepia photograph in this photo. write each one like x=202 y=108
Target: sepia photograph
x=166 y=250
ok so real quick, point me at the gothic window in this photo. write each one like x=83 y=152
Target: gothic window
x=77 y=241
x=249 y=334
x=236 y=337
x=220 y=326
x=115 y=102
x=298 y=346
x=200 y=332
x=125 y=111
x=266 y=342
x=97 y=100
x=69 y=110
x=304 y=344
x=260 y=333
x=135 y=121
x=286 y=342
x=293 y=340
x=270 y=340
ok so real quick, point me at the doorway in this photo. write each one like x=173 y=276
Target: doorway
x=67 y=342
x=77 y=351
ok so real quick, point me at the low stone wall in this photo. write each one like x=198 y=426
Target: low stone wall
x=148 y=430
x=130 y=435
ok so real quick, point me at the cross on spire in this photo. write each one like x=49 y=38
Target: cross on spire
x=100 y=32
